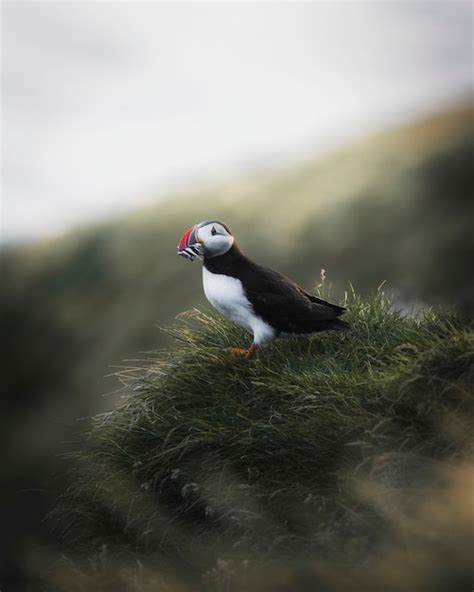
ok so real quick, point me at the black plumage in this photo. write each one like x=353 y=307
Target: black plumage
x=276 y=299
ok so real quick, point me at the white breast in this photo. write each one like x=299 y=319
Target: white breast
x=227 y=295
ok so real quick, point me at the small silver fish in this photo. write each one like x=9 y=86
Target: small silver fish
x=192 y=251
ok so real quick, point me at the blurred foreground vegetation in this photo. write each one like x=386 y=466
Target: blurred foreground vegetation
x=339 y=460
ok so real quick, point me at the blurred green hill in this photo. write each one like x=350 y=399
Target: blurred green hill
x=397 y=206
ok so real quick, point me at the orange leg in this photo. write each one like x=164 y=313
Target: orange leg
x=240 y=351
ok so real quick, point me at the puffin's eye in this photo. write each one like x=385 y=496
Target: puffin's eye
x=213 y=231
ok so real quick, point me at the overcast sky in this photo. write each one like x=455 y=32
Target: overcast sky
x=108 y=105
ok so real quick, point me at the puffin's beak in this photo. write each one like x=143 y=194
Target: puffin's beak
x=189 y=246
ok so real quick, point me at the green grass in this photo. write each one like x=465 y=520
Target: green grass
x=211 y=457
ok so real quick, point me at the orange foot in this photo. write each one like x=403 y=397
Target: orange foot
x=240 y=351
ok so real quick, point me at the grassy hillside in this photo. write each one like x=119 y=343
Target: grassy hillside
x=326 y=459
x=397 y=207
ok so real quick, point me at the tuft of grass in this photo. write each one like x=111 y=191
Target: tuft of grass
x=210 y=456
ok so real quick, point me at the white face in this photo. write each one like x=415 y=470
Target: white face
x=215 y=239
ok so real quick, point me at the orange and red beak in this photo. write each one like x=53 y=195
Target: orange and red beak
x=189 y=245
x=188 y=238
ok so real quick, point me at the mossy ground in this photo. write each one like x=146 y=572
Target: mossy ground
x=296 y=454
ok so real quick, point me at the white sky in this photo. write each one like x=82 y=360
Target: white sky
x=107 y=105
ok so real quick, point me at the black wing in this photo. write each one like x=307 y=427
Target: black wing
x=338 y=310
x=284 y=304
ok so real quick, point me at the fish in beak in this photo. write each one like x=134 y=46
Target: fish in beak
x=189 y=246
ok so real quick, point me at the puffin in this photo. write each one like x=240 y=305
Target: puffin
x=258 y=298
